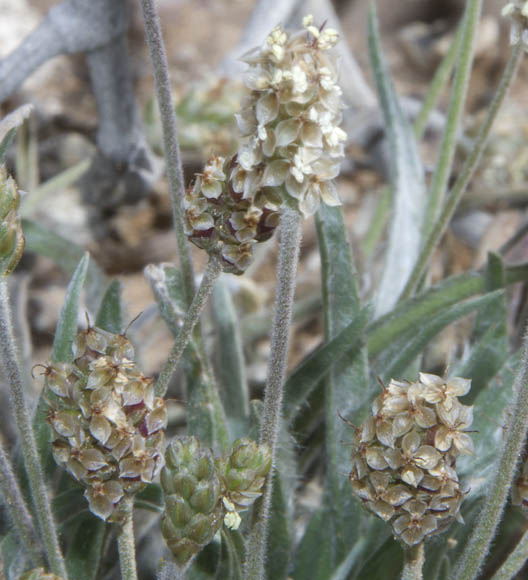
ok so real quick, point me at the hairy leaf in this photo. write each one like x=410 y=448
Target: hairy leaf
x=407 y=180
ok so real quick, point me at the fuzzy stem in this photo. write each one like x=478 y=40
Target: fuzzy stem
x=515 y=561
x=413 y=562
x=477 y=548
x=126 y=544
x=456 y=105
x=289 y=246
x=195 y=309
x=441 y=77
x=18 y=511
x=170 y=138
x=466 y=173
x=39 y=493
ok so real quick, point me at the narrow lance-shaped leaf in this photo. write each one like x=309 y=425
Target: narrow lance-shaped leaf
x=85 y=551
x=61 y=352
x=409 y=345
x=66 y=254
x=314 y=368
x=407 y=180
x=110 y=314
x=345 y=387
x=230 y=359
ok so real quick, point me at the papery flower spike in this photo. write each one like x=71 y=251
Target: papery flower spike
x=290 y=148
x=107 y=425
x=404 y=458
x=517 y=12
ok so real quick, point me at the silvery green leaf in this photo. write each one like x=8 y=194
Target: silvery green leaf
x=407 y=181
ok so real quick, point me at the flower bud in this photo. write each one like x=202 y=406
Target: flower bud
x=107 y=425
x=11 y=234
x=404 y=456
x=193 y=511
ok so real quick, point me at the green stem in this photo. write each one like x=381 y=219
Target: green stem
x=18 y=511
x=289 y=247
x=170 y=138
x=126 y=544
x=476 y=549
x=39 y=493
x=437 y=85
x=195 y=309
x=466 y=173
x=413 y=562
x=515 y=561
x=456 y=105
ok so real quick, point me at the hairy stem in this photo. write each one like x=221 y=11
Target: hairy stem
x=456 y=105
x=466 y=173
x=289 y=246
x=170 y=138
x=413 y=562
x=18 y=511
x=39 y=493
x=195 y=309
x=477 y=548
x=437 y=85
x=126 y=544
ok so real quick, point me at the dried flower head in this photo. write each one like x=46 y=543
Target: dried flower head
x=289 y=124
x=290 y=148
x=107 y=425
x=517 y=12
x=404 y=458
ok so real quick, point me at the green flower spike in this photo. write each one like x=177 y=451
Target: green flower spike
x=193 y=509
x=11 y=235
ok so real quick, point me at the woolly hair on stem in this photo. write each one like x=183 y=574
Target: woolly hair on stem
x=39 y=493
x=158 y=56
x=472 y=558
x=290 y=233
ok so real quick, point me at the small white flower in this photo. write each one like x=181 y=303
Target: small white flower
x=299 y=80
x=307 y=20
x=232 y=518
x=328 y=38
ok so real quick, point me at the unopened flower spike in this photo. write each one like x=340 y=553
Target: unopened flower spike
x=404 y=456
x=11 y=234
x=202 y=493
x=107 y=425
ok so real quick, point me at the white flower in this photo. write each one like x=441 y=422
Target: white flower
x=299 y=80
x=327 y=38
